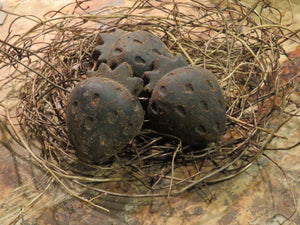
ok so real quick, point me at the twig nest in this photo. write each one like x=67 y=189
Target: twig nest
x=102 y=118
x=139 y=49
x=188 y=103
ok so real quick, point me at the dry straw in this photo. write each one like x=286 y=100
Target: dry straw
x=239 y=43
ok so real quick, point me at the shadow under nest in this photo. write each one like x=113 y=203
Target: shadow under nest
x=239 y=44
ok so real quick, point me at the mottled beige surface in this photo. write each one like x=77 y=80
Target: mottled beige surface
x=260 y=195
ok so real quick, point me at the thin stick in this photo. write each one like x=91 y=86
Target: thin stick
x=32 y=202
x=179 y=147
x=259 y=128
x=181 y=48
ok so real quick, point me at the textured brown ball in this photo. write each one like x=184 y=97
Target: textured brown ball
x=102 y=118
x=139 y=49
x=188 y=103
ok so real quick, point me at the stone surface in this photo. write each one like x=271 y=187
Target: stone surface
x=3 y=15
x=258 y=196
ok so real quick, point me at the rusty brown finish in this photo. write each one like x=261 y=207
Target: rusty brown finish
x=139 y=49
x=102 y=118
x=188 y=103
x=104 y=42
x=122 y=74
x=161 y=66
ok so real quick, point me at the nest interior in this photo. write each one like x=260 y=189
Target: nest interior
x=239 y=43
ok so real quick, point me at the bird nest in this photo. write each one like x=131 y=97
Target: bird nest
x=240 y=44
